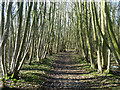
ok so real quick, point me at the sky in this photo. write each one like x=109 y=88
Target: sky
x=48 y=1
x=60 y=0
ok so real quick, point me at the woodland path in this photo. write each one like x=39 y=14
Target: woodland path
x=69 y=71
x=66 y=75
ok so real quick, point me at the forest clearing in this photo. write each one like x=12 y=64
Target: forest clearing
x=58 y=45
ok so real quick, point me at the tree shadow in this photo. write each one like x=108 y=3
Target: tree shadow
x=77 y=84
x=69 y=73
x=64 y=66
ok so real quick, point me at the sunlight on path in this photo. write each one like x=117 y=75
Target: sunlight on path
x=70 y=72
x=64 y=74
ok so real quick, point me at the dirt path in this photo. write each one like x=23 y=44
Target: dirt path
x=69 y=72
x=65 y=75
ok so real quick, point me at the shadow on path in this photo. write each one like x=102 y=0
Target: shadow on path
x=69 y=74
x=66 y=75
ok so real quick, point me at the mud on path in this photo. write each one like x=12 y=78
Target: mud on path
x=65 y=75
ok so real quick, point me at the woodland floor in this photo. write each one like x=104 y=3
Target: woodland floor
x=68 y=71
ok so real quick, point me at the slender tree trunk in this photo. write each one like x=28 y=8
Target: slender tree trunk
x=22 y=42
x=113 y=39
x=17 y=43
x=104 y=47
x=5 y=35
x=41 y=36
x=108 y=65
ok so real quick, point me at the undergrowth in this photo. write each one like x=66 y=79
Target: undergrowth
x=31 y=76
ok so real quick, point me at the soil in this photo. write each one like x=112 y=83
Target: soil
x=69 y=74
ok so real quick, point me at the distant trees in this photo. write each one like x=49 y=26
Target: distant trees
x=34 y=29
x=30 y=30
